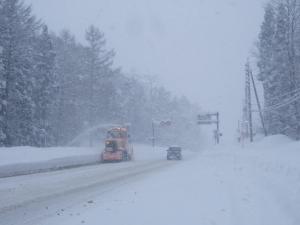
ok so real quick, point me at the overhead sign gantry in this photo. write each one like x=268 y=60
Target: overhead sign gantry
x=210 y=119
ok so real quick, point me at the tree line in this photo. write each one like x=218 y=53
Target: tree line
x=278 y=63
x=53 y=87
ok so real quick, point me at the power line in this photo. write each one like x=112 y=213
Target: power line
x=284 y=103
x=285 y=94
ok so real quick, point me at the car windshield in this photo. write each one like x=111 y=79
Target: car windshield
x=116 y=134
x=110 y=144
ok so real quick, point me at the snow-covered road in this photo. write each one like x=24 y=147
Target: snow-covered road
x=257 y=185
x=25 y=199
x=32 y=198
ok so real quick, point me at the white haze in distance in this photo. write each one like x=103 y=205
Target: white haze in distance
x=196 y=48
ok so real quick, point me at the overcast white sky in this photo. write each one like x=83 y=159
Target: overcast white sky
x=195 y=47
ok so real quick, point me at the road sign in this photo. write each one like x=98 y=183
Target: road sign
x=205 y=117
x=166 y=123
x=206 y=122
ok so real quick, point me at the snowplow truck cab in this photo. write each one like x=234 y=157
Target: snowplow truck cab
x=117 y=146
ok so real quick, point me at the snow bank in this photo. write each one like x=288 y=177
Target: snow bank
x=277 y=152
x=26 y=160
x=278 y=149
x=274 y=141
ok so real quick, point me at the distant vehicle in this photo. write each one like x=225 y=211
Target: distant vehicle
x=117 y=146
x=174 y=153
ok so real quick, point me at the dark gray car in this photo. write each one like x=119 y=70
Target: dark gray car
x=174 y=153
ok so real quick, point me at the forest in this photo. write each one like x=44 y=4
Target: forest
x=278 y=60
x=53 y=88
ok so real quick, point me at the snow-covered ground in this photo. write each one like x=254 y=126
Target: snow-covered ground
x=28 y=160
x=227 y=185
x=32 y=198
x=25 y=160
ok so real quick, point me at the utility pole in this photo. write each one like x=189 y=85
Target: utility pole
x=153 y=134
x=248 y=100
x=152 y=112
x=258 y=104
x=218 y=127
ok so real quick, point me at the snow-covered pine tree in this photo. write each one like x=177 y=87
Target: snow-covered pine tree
x=18 y=30
x=266 y=45
x=99 y=62
x=68 y=111
x=283 y=117
x=293 y=49
x=266 y=64
x=277 y=61
x=265 y=60
x=2 y=86
x=2 y=102
x=44 y=89
x=132 y=106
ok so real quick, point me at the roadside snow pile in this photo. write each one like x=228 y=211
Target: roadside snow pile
x=272 y=142
x=275 y=153
x=26 y=160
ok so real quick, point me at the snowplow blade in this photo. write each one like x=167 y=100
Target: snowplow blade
x=112 y=157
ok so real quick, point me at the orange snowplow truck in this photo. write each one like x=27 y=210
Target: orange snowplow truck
x=117 y=146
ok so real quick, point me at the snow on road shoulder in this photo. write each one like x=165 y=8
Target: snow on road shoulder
x=30 y=154
x=256 y=185
x=26 y=160
x=277 y=154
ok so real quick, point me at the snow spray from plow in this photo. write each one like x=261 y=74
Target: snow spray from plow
x=98 y=131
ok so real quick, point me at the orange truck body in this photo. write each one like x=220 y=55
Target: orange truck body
x=117 y=146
